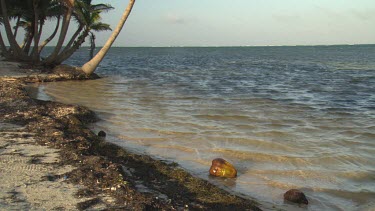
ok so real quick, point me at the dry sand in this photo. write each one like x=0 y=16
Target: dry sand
x=26 y=167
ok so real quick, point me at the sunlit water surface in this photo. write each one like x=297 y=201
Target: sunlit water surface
x=286 y=117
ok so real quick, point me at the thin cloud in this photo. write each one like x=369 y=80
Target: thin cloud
x=286 y=17
x=174 y=19
x=329 y=12
x=364 y=15
x=360 y=14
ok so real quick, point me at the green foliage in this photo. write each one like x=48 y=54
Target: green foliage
x=32 y=15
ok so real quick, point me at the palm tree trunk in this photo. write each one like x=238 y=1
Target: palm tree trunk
x=12 y=41
x=70 y=3
x=37 y=31
x=69 y=52
x=75 y=35
x=64 y=30
x=29 y=40
x=69 y=49
x=35 y=53
x=91 y=65
x=16 y=29
x=45 y=42
x=27 y=35
x=4 y=50
x=92 y=45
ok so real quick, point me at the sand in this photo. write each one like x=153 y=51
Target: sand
x=25 y=168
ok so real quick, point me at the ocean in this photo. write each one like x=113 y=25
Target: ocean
x=287 y=117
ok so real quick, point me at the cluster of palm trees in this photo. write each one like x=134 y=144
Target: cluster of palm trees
x=31 y=16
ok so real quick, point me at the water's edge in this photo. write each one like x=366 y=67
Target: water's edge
x=287 y=117
x=139 y=168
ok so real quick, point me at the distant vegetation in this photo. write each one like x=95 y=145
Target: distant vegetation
x=32 y=15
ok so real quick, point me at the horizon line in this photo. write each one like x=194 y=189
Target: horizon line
x=225 y=46
x=229 y=46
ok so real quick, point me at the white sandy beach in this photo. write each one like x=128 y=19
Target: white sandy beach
x=25 y=167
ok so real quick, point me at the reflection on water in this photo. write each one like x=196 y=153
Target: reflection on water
x=302 y=125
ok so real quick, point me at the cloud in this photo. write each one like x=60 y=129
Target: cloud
x=329 y=12
x=174 y=19
x=286 y=17
x=365 y=15
x=360 y=14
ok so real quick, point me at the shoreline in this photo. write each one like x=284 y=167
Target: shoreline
x=109 y=176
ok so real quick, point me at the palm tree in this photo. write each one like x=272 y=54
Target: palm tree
x=31 y=15
x=97 y=27
x=43 y=10
x=46 y=41
x=91 y=65
x=17 y=52
x=92 y=45
x=15 y=12
x=88 y=18
x=69 y=5
x=28 y=27
x=4 y=50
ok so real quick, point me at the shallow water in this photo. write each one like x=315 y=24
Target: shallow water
x=286 y=117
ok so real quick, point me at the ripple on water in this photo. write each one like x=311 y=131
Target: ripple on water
x=261 y=157
x=268 y=110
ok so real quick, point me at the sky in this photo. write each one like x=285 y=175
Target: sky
x=241 y=22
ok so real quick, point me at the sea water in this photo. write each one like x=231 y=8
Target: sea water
x=287 y=117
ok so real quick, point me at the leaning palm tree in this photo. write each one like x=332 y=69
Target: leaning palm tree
x=88 y=18
x=97 y=27
x=91 y=65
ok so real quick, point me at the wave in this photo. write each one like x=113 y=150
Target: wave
x=259 y=156
x=225 y=117
x=362 y=196
x=166 y=132
x=175 y=147
x=142 y=139
x=259 y=144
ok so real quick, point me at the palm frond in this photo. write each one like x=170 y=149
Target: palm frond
x=101 y=27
